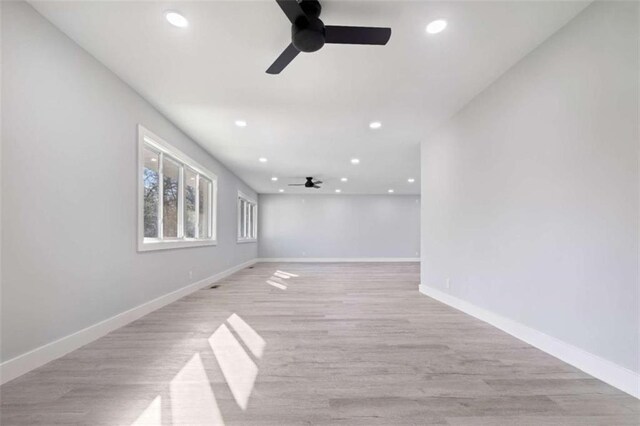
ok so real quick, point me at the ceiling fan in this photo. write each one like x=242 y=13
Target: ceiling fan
x=308 y=184
x=309 y=33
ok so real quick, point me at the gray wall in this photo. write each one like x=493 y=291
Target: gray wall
x=69 y=179
x=530 y=193
x=346 y=226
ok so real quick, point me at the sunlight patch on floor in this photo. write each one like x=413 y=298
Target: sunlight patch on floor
x=249 y=336
x=238 y=368
x=278 y=278
x=277 y=285
x=281 y=275
x=152 y=415
x=192 y=399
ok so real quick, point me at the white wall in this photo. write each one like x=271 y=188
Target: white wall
x=530 y=193
x=339 y=226
x=69 y=179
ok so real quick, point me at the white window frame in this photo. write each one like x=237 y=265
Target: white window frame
x=148 y=138
x=253 y=207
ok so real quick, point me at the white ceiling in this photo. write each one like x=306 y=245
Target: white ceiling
x=311 y=119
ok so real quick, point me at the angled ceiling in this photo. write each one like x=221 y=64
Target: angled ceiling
x=314 y=117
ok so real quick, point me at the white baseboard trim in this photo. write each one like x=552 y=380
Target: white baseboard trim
x=338 y=259
x=620 y=377
x=38 y=357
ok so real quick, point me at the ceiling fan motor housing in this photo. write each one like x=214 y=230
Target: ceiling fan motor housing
x=307 y=34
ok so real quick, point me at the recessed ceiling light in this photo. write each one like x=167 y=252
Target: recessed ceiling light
x=411 y=180
x=343 y=179
x=154 y=160
x=338 y=191
x=436 y=26
x=176 y=19
x=241 y=123
x=274 y=178
x=280 y=190
x=375 y=125
x=262 y=160
x=355 y=161
x=390 y=191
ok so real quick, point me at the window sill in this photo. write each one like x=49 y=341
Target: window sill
x=255 y=240
x=173 y=244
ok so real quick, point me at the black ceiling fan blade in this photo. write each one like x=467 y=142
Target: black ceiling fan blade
x=318 y=182
x=356 y=35
x=296 y=184
x=292 y=9
x=283 y=60
x=316 y=186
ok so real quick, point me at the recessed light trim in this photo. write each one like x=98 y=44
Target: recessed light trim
x=343 y=179
x=176 y=19
x=436 y=26
x=411 y=180
x=241 y=123
x=262 y=160
x=375 y=125
x=275 y=179
x=355 y=161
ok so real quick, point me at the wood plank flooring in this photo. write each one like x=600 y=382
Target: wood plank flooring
x=289 y=344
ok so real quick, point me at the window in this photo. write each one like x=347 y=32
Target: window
x=177 y=202
x=247 y=219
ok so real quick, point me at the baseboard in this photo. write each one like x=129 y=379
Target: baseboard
x=620 y=377
x=38 y=357
x=338 y=259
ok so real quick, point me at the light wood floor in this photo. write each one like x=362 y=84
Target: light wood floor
x=350 y=344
